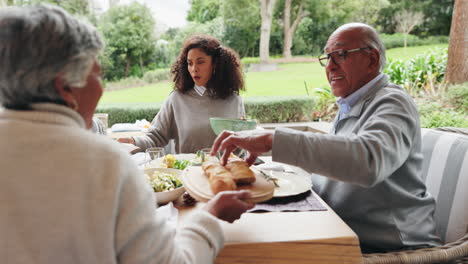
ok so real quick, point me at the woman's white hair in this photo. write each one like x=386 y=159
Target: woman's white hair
x=369 y=37
x=38 y=44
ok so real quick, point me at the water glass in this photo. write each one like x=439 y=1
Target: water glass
x=154 y=156
x=205 y=155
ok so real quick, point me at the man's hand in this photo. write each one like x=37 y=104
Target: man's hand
x=128 y=140
x=255 y=142
x=229 y=205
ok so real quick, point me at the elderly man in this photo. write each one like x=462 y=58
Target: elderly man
x=370 y=164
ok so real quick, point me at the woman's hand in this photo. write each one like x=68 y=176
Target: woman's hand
x=229 y=205
x=128 y=140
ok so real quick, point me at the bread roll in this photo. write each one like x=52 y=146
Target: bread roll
x=214 y=169
x=227 y=178
x=241 y=172
x=222 y=184
x=219 y=177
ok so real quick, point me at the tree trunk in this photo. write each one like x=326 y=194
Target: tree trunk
x=288 y=29
x=266 y=12
x=457 y=64
x=287 y=42
x=127 y=66
x=405 y=37
x=141 y=65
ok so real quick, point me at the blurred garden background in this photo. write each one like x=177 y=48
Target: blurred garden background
x=139 y=52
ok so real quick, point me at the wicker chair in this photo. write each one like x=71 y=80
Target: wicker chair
x=453 y=253
x=445 y=171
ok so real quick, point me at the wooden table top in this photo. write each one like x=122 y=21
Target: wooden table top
x=287 y=237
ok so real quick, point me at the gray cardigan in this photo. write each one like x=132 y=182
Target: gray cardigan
x=371 y=167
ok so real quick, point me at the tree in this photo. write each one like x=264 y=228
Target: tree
x=438 y=16
x=406 y=21
x=129 y=34
x=79 y=7
x=457 y=64
x=241 y=23
x=290 y=29
x=323 y=18
x=266 y=11
x=202 y=11
x=368 y=13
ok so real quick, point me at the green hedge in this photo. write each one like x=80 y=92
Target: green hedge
x=129 y=112
x=433 y=114
x=157 y=75
x=397 y=40
x=457 y=95
x=263 y=109
x=279 y=109
x=449 y=111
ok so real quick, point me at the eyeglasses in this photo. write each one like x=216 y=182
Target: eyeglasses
x=337 y=56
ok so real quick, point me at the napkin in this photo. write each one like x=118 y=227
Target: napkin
x=275 y=166
x=140 y=159
x=301 y=202
x=139 y=125
x=130 y=148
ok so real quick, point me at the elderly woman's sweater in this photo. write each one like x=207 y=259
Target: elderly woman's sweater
x=70 y=196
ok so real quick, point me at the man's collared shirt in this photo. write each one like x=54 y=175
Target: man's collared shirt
x=347 y=103
x=200 y=90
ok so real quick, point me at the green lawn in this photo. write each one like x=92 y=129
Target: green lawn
x=145 y=94
x=411 y=52
x=288 y=80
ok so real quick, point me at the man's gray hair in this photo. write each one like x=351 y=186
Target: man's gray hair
x=370 y=38
x=38 y=44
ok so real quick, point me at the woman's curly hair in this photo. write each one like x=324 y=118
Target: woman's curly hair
x=227 y=78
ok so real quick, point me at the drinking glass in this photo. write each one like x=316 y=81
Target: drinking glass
x=205 y=155
x=154 y=156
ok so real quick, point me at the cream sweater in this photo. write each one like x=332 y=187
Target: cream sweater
x=185 y=118
x=70 y=196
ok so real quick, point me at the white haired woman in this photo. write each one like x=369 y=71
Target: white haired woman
x=67 y=195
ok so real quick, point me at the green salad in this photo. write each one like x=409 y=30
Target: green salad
x=163 y=181
x=181 y=164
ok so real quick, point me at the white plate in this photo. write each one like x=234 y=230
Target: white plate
x=289 y=183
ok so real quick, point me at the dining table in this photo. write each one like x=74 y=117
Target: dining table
x=317 y=236
x=285 y=236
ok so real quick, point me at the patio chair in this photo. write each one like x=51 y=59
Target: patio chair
x=445 y=172
x=98 y=126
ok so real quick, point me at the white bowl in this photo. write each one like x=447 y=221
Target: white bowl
x=167 y=196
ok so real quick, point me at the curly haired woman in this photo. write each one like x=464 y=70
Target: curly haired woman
x=207 y=79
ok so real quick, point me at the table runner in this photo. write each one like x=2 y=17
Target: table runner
x=301 y=202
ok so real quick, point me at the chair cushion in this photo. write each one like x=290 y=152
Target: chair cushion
x=445 y=172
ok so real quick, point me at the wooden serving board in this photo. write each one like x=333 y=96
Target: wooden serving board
x=197 y=185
